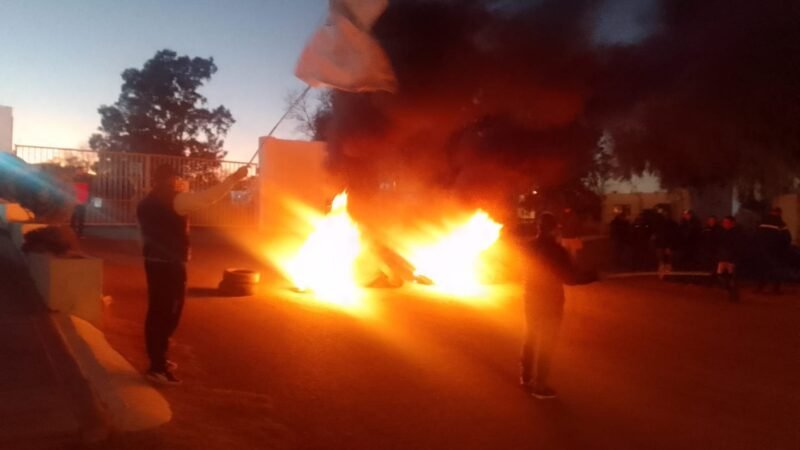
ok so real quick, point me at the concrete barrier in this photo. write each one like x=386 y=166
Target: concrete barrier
x=72 y=285
x=128 y=401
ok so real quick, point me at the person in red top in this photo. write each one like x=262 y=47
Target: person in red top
x=80 y=187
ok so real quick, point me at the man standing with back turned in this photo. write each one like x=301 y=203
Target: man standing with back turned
x=164 y=224
x=549 y=269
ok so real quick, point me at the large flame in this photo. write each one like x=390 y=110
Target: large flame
x=326 y=262
x=452 y=256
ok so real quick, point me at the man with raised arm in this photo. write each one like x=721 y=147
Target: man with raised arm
x=164 y=223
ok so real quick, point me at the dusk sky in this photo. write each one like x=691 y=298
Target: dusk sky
x=62 y=59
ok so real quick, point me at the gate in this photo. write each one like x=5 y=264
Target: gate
x=120 y=180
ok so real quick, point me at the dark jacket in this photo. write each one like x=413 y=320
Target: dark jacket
x=773 y=239
x=689 y=232
x=729 y=245
x=620 y=230
x=165 y=233
x=665 y=233
x=710 y=241
x=549 y=269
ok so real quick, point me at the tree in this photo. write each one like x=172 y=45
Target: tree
x=712 y=98
x=604 y=167
x=160 y=111
x=311 y=114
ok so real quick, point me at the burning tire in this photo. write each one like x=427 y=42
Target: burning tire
x=239 y=282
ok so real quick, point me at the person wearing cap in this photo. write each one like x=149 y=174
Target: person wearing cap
x=164 y=224
x=549 y=268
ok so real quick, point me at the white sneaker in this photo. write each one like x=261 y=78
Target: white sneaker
x=165 y=378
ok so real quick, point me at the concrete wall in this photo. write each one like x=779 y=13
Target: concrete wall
x=292 y=173
x=790 y=204
x=713 y=201
x=645 y=184
x=6 y=129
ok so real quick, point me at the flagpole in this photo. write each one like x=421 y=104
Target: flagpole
x=286 y=113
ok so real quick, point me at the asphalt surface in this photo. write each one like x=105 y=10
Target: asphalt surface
x=44 y=401
x=640 y=364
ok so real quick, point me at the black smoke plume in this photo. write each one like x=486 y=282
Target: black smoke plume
x=498 y=96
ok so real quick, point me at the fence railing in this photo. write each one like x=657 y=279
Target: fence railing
x=119 y=180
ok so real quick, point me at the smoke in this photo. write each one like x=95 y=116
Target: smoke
x=710 y=96
x=496 y=97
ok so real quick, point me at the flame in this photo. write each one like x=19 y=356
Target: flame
x=326 y=262
x=452 y=258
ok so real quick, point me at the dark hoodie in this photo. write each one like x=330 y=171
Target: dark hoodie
x=773 y=238
x=550 y=268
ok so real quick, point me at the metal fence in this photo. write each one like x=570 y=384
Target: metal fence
x=118 y=181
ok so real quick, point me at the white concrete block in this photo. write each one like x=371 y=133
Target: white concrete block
x=129 y=401
x=72 y=285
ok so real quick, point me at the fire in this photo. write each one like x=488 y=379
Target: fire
x=331 y=259
x=326 y=262
x=452 y=258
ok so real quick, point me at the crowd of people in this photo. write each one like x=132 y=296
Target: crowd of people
x=723 y=249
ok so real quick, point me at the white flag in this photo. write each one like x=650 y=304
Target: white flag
x=343 y=55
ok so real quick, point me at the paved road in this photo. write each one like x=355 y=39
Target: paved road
x=641 y=364
x=44 y=401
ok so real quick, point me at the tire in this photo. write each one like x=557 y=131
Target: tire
x=241 y=276
x=236 y=289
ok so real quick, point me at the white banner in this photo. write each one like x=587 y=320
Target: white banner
x=343 y=55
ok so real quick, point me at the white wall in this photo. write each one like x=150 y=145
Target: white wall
x=6 y=129
x=291 y=171
x=790 y=204
x=645 y=184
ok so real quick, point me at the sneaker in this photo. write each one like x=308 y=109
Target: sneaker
x=543 y=393
x=165 y=378
x=172 y=365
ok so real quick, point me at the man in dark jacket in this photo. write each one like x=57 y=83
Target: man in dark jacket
x=774 y=241
x=728 y=249
x=164 y=224
x=690 y=231
x=620 y=235
x=549 y=268
x=665 y=236
x=709 y=243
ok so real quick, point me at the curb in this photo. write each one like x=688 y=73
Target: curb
x=125 y=400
